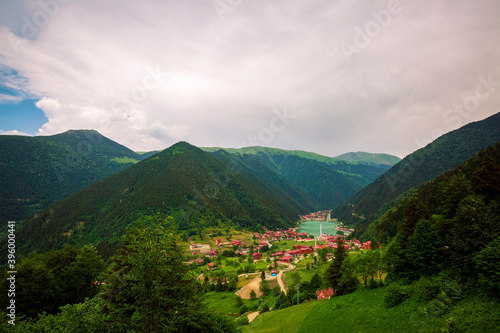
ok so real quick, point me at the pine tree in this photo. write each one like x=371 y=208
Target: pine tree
x=334 y=274
x=150 y=289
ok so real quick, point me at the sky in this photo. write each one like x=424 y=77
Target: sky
x=319 y=75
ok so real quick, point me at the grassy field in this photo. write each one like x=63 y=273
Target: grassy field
x=365 y=311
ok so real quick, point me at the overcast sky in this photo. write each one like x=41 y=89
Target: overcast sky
x=323 y=76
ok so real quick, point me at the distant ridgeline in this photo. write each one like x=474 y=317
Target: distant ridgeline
x=195 y=187
x=330 y=181
x=443 y=154
x=36 y=172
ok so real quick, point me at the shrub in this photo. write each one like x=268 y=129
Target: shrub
x=242 y=321
x=395 y=294
x=243 y=309
x=265 y=308
x=285 y=305
x=425 y=289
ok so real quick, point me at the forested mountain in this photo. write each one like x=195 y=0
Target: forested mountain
x=463 y=202
x=38 y=171
x=443 y=154
x=369 y=158
x=193 y=186
x=328 y=180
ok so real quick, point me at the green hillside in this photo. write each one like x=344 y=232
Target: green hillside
x=441 y=254
x=365 y=311
x=256 y=150
x=369 y=158
x=328 y=180
x=443 y=154
x=192 y=185
x=38 y=171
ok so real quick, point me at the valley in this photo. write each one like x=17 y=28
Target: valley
x=255 y=238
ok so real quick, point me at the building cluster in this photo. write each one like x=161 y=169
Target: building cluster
x=279 y=234
x=322 y=215
x=288 y=256
x=346 y=230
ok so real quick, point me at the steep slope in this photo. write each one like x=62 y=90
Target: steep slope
x=477 y=178
x=443 y=154
x=181 y=178
x=369 y=158
x=38 y=171
x=328 y=180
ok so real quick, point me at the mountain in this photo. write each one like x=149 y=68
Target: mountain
x=38 y=171
x=328 y=180
x=447 y=195
x=195 y=187
x=441 y=155
x=369 y=158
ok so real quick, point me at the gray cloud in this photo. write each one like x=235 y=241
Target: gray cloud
x=379 y=76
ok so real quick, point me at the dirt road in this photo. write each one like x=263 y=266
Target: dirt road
x=280 y=282
x=251 y=316
x=252 y=285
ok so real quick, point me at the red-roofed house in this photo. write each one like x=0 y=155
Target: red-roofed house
x=236 y=243
x=210 y=265
x=212 y=254
x=257 y=256
x=325 y=293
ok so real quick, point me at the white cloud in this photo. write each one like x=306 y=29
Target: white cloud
x=14 y=132
x=147 y=74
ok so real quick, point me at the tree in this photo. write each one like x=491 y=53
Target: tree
x=366 y=266
x=253 y=295
x=81 y=274
x=150 y=288
x=488 y=263
x=333 y=273
x=264 y=287
x=423 y=247
x=315 y=283
x=348 y=281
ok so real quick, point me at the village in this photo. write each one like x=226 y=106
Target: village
x=273 y=256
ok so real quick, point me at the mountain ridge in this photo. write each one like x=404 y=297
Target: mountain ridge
x=426 y=163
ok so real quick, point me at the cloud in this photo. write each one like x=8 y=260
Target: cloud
x=15 y=132
x=148 y=74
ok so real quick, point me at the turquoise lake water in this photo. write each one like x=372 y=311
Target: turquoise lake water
x=312 y=227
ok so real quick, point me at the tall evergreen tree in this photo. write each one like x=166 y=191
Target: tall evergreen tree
x=333 y=273
x=150 y=289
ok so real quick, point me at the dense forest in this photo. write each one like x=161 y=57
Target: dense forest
x=330 y=181
x=183 y=181
x=443 y=154
x=36 y=172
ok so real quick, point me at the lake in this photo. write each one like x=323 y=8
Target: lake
x=312 y=227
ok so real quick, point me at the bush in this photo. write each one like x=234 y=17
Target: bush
x=285 y=305
x=395 y=294
x=243 y=309
x=265 y=308
x=425 y=289
x=242 y=321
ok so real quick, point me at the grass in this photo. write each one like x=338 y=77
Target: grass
x=222 y=302
x=365 y=311
x=124 y=160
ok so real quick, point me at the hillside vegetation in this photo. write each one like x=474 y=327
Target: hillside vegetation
x=36 y=172
x=183 y=181
x=328 y=180
x=443 y=154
